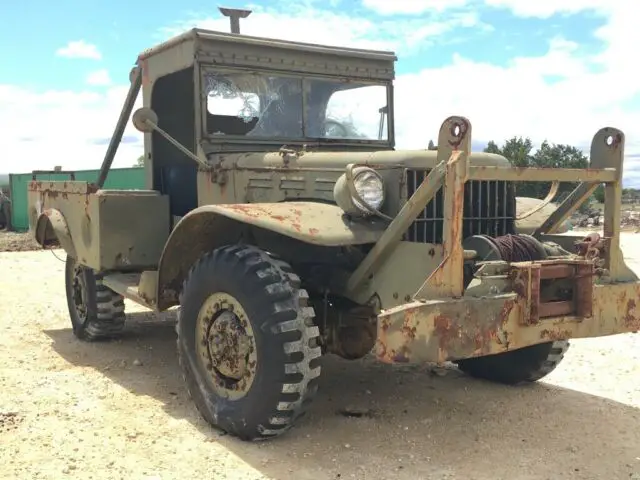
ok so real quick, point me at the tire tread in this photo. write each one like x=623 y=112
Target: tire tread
x=291 y=323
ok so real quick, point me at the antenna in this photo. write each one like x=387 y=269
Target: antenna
x=234 y=14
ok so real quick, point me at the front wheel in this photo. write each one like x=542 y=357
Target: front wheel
x=524 y=365
x=247 y=344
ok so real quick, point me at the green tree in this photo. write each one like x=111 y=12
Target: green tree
x=558 y=156
x=139 y=161
x=518 y=151
x=598 y=195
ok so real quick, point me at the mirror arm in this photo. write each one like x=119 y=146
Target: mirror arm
x=176 y=144
x=145 y=120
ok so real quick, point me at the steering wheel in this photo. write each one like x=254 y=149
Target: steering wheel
x=335 y=129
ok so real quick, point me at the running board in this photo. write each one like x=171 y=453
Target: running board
x=137 y=287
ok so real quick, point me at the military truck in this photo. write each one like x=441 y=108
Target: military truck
x=283 y=224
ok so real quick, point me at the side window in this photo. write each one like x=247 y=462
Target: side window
x=355 y=113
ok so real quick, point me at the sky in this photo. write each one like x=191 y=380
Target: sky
x=555 y=70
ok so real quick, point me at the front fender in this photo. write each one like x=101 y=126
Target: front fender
x=211 y=226
x=316 y=223
x=51 y=228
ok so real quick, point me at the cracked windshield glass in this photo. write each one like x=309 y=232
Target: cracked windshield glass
x=272 y=106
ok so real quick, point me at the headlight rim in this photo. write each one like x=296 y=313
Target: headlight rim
x=349 y=199
x=359 y=202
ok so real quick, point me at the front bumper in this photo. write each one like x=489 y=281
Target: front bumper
x=457 y=328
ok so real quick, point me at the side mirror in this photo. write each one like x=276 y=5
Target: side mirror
x=145 y=120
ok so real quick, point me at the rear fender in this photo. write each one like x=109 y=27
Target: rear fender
x=51 y=229
x=211 y=226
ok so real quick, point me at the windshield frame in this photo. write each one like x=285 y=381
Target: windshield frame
x=207 y=70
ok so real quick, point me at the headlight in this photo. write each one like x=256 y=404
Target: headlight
x=370 y=188
x=360 y=191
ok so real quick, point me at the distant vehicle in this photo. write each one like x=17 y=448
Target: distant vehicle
x=5 y=211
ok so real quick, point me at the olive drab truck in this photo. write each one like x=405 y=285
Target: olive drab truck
x=284 y=225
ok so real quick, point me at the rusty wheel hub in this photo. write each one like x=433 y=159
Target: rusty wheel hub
x=226 y=345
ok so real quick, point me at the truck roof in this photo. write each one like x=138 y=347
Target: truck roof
x=239 y=50
x=202 y=35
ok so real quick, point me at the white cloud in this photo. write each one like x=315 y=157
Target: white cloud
x=308 y=24
x=68 y=128
x=388 y=7
x=517 y=100
x=547 y=8
x=99 y=78
x=558 y=96
x=79 y=49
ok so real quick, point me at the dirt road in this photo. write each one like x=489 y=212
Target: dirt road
x=120 y=411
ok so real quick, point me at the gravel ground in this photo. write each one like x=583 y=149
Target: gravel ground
x=17 y=242
x=119 y=410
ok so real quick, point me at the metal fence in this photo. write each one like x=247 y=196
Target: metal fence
x=119 y=178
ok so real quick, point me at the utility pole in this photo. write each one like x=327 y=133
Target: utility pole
x=234 y=14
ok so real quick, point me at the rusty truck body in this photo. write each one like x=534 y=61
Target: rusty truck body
x=284 y=224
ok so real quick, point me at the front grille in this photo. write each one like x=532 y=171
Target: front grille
x=489 y=209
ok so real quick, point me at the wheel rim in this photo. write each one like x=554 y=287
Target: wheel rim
x=225 y=345
x=79 y=293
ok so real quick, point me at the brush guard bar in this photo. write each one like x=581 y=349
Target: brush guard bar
x=445 y=322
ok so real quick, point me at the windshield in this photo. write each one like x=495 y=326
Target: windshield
x=261 y=105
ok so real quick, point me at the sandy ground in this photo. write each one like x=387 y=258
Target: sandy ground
x=119 y=410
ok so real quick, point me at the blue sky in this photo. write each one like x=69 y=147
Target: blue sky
x=514 y=67
x=122 y=29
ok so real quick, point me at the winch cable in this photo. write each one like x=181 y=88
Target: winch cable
x=516 y=248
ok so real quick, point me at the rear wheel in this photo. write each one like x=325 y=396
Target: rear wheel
x=247 y=343
x=96 y=311
x=521 y=366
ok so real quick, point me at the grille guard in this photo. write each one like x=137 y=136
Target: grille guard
x=452 y=173
x=443 y=322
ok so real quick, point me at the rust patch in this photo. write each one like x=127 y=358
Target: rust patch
x=447 y=331
x=526 y=283
x=505 y=311
x=408 y=331
x=247 y=209
x=381 y=348
x=257 y=211
x=553 y=335
x=466 y=331
x=442 y=280
x=385 y=354
x=616 y=140
x=442 y=323
x=401 y=356
x=631 y=321
x=458 y=131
